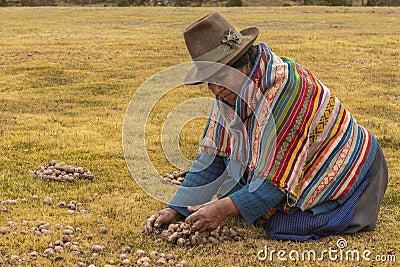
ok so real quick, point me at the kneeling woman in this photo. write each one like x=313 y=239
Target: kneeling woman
x=279 y=149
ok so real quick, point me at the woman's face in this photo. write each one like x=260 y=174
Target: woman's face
x=228 y=83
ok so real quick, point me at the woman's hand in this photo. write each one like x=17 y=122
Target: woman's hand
x=209 y=216
x=160 y=218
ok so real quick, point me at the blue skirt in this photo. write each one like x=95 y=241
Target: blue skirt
x=301 y=226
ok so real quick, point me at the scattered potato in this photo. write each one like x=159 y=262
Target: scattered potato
x=68 y=240
x=97 y=248
x=140 y=252
x=126 y=262
x=48 y=201
x=48 y=252
x=12 y=224
x=103 y=230
x=154 y=254
x=33 y=254
x=126 y=249
x=155 y=258
x=14 y=258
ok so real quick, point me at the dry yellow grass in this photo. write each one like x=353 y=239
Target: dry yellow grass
x=67 y=77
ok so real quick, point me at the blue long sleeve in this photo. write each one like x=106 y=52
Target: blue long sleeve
x=201 y=183
x=252 y=205
x=205 y=178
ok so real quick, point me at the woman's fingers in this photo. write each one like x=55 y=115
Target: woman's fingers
x=192 y=219
x=193 y=209
x=200 y=226
x=163 y=218
x=197 y=222
x=150 y=222
x=203 y=218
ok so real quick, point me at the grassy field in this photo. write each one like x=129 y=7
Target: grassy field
x=67 y=78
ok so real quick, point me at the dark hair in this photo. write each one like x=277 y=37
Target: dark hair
x=248 y=57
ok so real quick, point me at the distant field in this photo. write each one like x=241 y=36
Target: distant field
x=67 y=76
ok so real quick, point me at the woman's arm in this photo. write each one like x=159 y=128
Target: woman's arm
x=250 y=204
x=200 y=184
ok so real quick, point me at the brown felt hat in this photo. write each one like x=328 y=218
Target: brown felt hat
x=213 y=39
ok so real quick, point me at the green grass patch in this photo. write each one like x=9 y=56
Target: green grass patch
x=67 y=77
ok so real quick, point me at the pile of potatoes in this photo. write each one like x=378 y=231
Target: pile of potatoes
x=176 y=178
x=61 y=172
x=182 y=234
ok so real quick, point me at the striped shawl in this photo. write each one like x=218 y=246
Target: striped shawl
x=294 y=133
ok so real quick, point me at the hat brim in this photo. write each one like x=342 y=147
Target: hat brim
x=204 y=69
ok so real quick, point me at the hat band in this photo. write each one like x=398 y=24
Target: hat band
x=231 y=40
